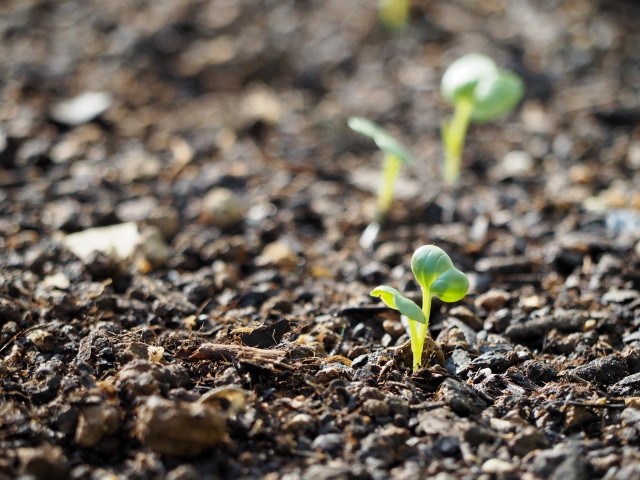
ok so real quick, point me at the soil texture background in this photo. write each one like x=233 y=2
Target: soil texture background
x=183 y=295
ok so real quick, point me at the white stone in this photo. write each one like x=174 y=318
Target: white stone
x=118 y=240
x=82 y=108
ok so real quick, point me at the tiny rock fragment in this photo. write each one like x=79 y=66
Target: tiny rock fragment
x=179 y=428
x=495 y=466
x=527 y=440
x=461 y=398
x=277 y=255
x=375 y=408
x=222 y=208
x=467 y=316
x=152 y=247
x=41 y=339
x=118 y=240
x=604 y=370
x=393 y=328
x=183 y=472
x=234 y=398
x=574 y=468
x=82 y=108
x=57 y=280
x=516 y=264
x=492 y=300
x=576 y=415
x=301 y=422
x=96 y=422
x=329 y=442
x=43 y=463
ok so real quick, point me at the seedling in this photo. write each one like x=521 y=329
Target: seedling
x=395 y=156
x=394 y=14
x=480 y=92
x=437 y=276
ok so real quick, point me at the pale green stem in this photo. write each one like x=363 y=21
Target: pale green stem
x=394 y=13
x=453 y=137
x=416 y=344
x=419 y=333
x=390 y=172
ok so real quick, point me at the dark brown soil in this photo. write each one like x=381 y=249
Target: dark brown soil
x=230 y=334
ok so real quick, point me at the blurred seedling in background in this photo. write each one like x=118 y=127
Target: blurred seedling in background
x=394 y=14
x=395 y=156
x=480 y=92
x=437 y=276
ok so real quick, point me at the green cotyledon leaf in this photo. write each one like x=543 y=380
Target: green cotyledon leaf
x=394 y=299
x=381 y=137
x=436 y=274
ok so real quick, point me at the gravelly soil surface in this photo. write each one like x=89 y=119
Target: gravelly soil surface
x=225 y=330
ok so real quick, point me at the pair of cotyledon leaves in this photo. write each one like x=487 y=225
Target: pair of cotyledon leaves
x=492 y=91
x=437 y=276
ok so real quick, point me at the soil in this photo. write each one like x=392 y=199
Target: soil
x=224 y=330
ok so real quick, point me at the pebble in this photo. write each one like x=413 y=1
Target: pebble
x=573 y=468
x=604 y=370
x=119 y=240
x=179 y=428
x=393 y=327
x=527 y=440
x=360 y=361
x=138 y=165
x=94 y=423
x=301 y=422
x=82 y=108
x=375 y=408
x=57 y=280
x=495 y=466
x=458 y=362
x=514 y=264
x=277 y=255
x=467 y=316
x=329 y=442
x=183 y=472
x=516 y=164
x=43 y=463
x=461 y=398
x=222 y=208
x=152 y=247
x=623 y=222
x=492 y=300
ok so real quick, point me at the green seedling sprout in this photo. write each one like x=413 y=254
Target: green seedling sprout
x=480 y=92
x=395 y=156
x=437 y=276
x=394 y=14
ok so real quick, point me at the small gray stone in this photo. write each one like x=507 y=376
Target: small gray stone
x=458 y=362
x=360 y=361
x=375 y=408
x=329 y=442
x=461 y=398
x=573 y=468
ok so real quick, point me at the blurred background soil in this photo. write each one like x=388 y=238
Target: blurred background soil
x=209 y=137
